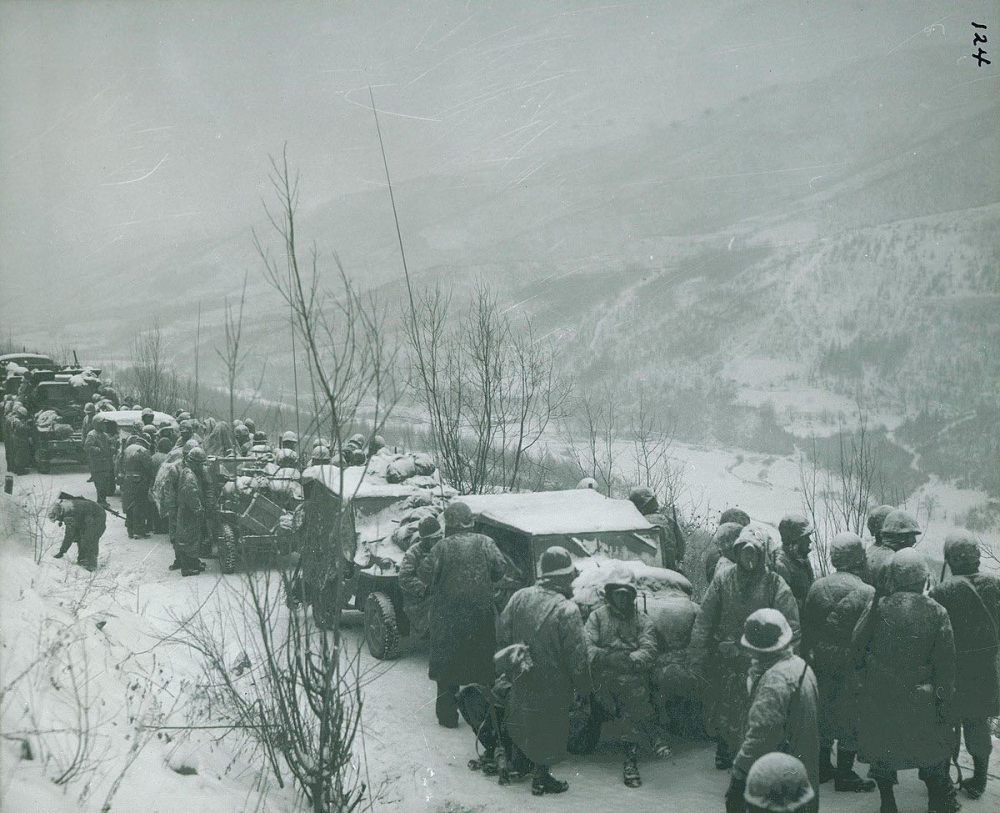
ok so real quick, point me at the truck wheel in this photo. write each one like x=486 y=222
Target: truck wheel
x=228 y=549
x=381 y=628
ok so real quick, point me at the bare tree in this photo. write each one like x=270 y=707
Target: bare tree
x=489 y=386
x=595 y=440
x=150 y=377
x=234 y=355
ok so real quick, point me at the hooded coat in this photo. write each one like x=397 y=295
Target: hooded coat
x=907 y=653
x=832 y=610
x=975 y=622
x=715 y=651
x=462 y=571
x=540 y=699
x=622 y=650
x=784 y=705
x=85 y=523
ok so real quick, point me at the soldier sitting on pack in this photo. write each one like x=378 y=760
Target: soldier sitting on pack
x=85 y=523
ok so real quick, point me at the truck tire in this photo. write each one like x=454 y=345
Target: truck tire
x=381 y=627
x=229 y=549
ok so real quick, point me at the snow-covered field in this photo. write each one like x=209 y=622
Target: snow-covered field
x=109 y=635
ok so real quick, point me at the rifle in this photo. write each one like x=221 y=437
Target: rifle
x=64 y=496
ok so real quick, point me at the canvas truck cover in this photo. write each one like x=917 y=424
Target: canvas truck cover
x=133 y=417
x=542 y=513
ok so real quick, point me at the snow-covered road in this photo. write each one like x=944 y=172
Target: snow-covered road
x=417 y=765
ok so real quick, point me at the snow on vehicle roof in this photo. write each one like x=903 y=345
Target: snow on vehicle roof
x=358 y=481
x=133 y=417
x=576 y=511
x=26 y=357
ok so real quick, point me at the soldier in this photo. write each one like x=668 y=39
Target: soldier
x=736 y=516
x=715 y=652
x=461 y=571
x=792 y=561
x=899 y=530
x=160 y=522
x=107 y=391
x=20 y=440
x=289 y=440
x=137 y=471
x=671 y=539
x=89 y=411
x=147 y=417
x=778 y=783
x=85 y=523
x=906 y=649
x=100 y=453
x=622 y=649
x=833 y=607
x=723 y=539
x=243 y=440
x=545 y=619
x=784 y=704
x=251 y=427
x=190 y=527
x=587 y=483
x=413 y=578
x=972 y=600
x=320 y=456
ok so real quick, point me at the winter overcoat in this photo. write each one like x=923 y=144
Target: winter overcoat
x=85 y=524
x=100 y=451
x=413 y=584
x=797 y=573
x=907 y=677
x=540 y=699
x=622 y=651
x=975 y=622
x=784 y=703
x=190 y=512
x=715 y=651
x=462 y=571
x=833 y=607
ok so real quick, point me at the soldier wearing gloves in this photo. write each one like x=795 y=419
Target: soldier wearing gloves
x=972 y=600
x=784 y=703
x=622 y=650
x=85 y=523
x=833 y=607
x=906 y=650
x=544 y=618
x=715 y=652
x=778 y=783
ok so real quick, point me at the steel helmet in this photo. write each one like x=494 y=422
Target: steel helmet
x=961 y=552
x=89 y=407
x=195 y=455
x=737 y=515
x=321 y=454
x=587 y=483
x=876 y=519
x=847 y=551
x=147 y=412
x=778 y=783
x=900 y=523
x=766 y=631
x=317 y=442
x=149 y=429
x=457 y=515
x=289 y=437
x=644 y=499
x=556 y=561
x=260 y=437
x=794 y=526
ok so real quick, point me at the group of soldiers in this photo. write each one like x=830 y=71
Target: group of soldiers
x=801 y=677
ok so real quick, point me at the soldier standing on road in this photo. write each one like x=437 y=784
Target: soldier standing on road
x=972 y=600
x=906 y=650
x=137 y=471
x=89 y=411
x=622 y=649
x=100 y=451
x=547 y=622
x=85 y=523
x=715 y=651
x=833 y=607
x=462 y=569
x=792 y=561
x=784 y=704
x=672 y=540
x=20 y=439
x=778 y=783
x=190 y=528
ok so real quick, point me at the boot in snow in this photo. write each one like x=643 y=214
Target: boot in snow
x=845 y=779
x=543 y=782
x=630 y=769
x=976 y=786
x=942 y=797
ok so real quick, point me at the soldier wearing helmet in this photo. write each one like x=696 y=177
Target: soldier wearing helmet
x=191 y=506
x=778 y=783
x=289 y=440
x=587 y=484
x=832 y=610
x=972 y=600
x=899 y=530
x=792 y=561
x=320 y=456
x=99 y=447
x=147 y=417
x=19 y=439
x=783 y=704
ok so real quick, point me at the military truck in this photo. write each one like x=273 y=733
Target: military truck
x=57 y=422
